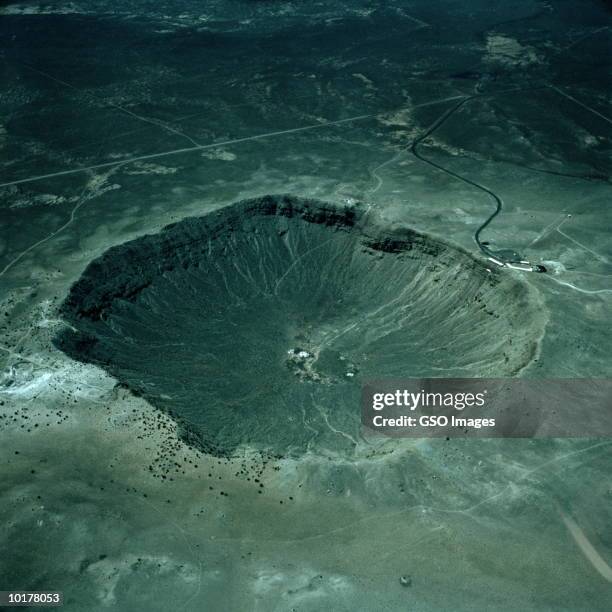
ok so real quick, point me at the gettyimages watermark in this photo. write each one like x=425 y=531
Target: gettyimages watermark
x=487 y=408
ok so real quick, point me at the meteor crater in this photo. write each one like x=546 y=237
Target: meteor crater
x=256 y=324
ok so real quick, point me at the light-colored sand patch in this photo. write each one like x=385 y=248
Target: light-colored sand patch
x=364 y=79
x=69 y=8
x=401 y=117
x=44 y=199
x=509 y=52
x=107 y=572
x=219 y=154
x=145 y=168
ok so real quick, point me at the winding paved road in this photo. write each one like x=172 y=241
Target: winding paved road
x=498 y=201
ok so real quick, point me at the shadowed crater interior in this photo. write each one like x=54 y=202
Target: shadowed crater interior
x=256 y=324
